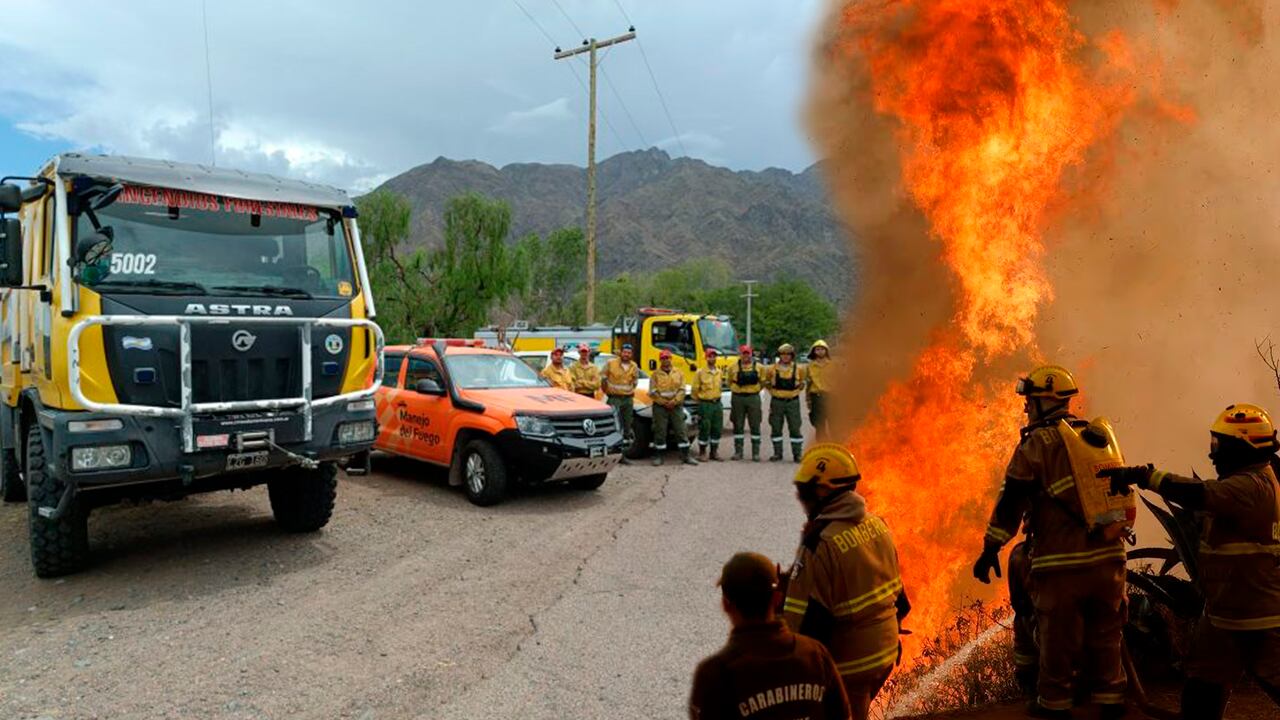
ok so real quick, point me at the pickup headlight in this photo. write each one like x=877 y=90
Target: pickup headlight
x=102 y=457
x=535 y=426
x=355 y=432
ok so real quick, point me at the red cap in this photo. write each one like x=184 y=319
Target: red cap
x=584 y=348
x=664 y=355
x=710 y=352
x=744 y=349
x=557 y=351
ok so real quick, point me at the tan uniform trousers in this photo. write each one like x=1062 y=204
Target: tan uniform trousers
x=1221 y=656
x=1080 y=614
x=862 y=689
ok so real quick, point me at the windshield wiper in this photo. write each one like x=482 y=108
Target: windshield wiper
x=277 y=290
x=159 y=287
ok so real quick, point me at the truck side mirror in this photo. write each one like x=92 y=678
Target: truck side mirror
x=10 y=252
x=10 y=198
x=427 y=386
x=653 y=365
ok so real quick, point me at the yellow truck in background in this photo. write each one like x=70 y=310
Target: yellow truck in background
x=169 y=329
x=649 y=332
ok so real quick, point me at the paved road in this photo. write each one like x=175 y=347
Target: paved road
x=411 y=604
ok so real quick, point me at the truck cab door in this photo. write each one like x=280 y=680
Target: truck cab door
x=42 y=251
x=429 y=416
x=387 y=396
x=676 y=336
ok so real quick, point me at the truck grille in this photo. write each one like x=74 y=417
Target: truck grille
x=252 y=378
x=572 y=427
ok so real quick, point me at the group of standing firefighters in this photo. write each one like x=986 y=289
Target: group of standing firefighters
x=784 y=381
x=820 y=639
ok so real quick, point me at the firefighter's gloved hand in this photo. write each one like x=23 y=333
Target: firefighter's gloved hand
x=989 y=560
x=1123 y=477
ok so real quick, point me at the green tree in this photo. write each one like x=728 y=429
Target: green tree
x=552 y=272
x=398 y=278
x=474 y=271
x=790 y=311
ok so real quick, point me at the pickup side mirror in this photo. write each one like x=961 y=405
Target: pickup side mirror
x=427 y=386
x=10 y=198
x=10 y=252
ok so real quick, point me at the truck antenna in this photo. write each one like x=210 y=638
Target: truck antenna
x=208 y=82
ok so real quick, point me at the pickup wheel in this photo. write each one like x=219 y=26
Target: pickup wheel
x=12 y=487
x=642 y=440
x=302 y=500
x=484 y=473
x=588 y=482
x=58 y=547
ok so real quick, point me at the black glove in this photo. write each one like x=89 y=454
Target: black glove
x=1122 y=477
x=989 y=560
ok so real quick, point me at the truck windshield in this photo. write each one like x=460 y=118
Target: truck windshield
x=168 y=241
x=718 y=334
x=484 y=372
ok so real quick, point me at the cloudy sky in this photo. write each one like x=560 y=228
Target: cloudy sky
x=353 y=93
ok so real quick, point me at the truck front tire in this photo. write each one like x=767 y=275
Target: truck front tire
x=302 y=500
x=484 y=473
x=58 y=547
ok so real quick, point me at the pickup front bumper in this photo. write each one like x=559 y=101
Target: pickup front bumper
x=548 y=459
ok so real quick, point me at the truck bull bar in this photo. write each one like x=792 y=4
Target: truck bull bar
x=188 y=408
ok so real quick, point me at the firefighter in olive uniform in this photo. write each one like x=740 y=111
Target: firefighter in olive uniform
x=764 y=672
x=556 y=373
x=844 y=587
x=1077 y=573
x=585 y=374
x=707 y=383
x=746 y=377
x=666 y=390
x=819 y=384
x=1239 y=551
x=785 y=381
x=621 y=376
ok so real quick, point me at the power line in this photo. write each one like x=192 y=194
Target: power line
x=571 y=22
x=576 y=76
x=208 y=83
x=625 y=109
x=654 y=78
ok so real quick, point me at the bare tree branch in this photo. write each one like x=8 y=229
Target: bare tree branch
x=1268 y=356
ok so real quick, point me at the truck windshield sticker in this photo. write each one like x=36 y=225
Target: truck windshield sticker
x=184 y=200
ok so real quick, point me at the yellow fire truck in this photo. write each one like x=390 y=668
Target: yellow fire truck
x=170 y=329
x=649 y=332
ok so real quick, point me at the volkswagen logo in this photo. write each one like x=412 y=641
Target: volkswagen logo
x=242 y=340
x=589 y=427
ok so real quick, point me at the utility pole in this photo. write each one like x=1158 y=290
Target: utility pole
x=591 y=45
x=749 y=296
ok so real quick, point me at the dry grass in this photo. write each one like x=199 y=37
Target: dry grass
x=969 y=665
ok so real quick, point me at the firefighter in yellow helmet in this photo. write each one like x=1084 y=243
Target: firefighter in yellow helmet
x=844 y=588
x=818 y=388
x=785 y=381
x=1077 y=572
x=1239 y=550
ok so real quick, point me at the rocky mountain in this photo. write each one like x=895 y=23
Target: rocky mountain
x=655 y=211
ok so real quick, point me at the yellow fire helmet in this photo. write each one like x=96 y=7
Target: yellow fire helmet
x=1248 y=422
x=1048 y=381
x=828 y=465
x=786 y=349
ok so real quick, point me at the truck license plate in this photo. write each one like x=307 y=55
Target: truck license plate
x=596 y=451
x=247 y=461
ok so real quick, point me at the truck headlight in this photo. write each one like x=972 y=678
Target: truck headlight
x=535 y=426
x=102 y=457
x=355 y=432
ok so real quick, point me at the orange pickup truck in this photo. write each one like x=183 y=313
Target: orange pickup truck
x=491 y=420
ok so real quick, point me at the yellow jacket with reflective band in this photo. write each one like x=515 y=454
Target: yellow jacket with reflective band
x=558 y=376
x=586 y=378
x=707 y=383
x=793 y=372
x=852 y=573
x=819 y=376
x=735 y=371
x=666 y=386
x=1239 y=547
x=619 y=380
x=1039 y=484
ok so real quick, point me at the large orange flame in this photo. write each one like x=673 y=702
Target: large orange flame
x=993 y=102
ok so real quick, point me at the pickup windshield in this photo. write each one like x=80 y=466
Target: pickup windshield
x=165 y=241
x=718 y=334
x=485 y=372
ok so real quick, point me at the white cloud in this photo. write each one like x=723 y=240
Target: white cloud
x=533 y=120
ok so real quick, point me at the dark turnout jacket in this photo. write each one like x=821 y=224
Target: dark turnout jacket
x=766 y=672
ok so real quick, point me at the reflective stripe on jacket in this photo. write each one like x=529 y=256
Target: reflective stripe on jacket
x=667 y=386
